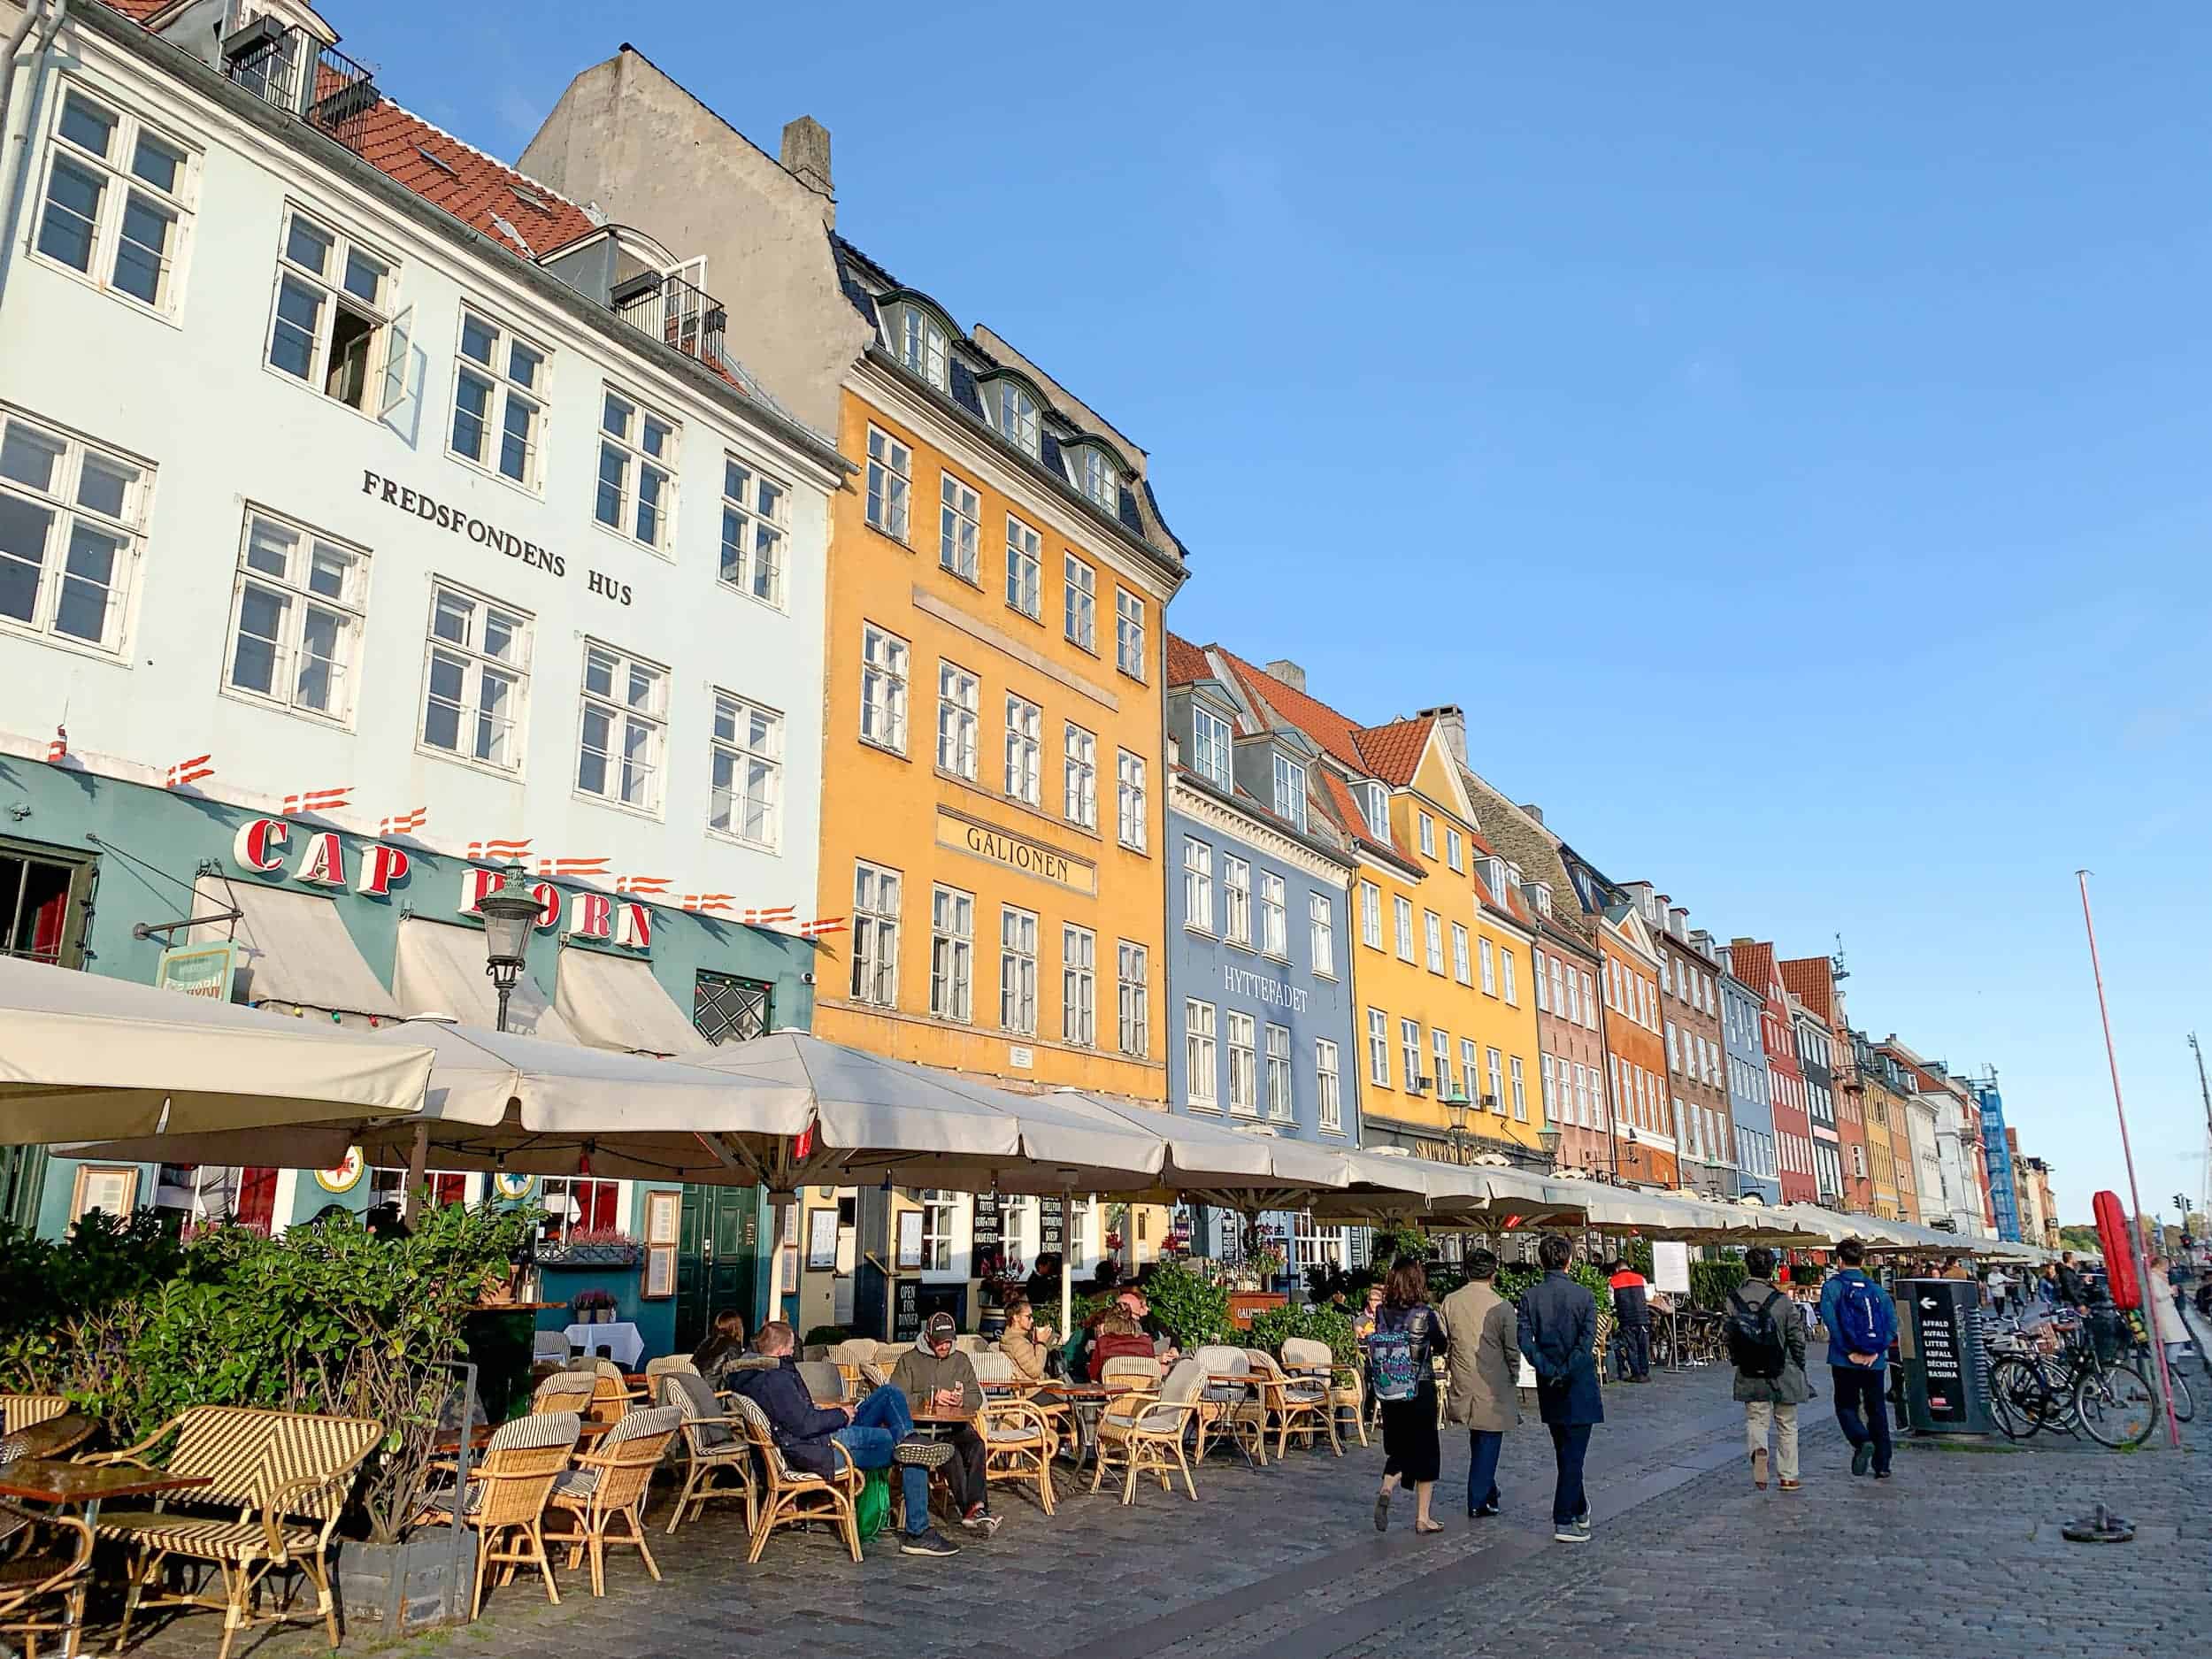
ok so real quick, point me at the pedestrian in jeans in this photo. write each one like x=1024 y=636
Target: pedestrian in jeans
x=1482 y=1361
x=1558 y=1333
x=1632 y=1315
x=1766 y=1341
x=1861 y=1321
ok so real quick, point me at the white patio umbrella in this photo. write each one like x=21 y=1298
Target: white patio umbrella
x=83 y=1056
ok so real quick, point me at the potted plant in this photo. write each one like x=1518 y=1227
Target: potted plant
x=589 y=1247
x=593 y=1307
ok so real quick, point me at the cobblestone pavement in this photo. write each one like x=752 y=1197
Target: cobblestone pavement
x=1960 y=1553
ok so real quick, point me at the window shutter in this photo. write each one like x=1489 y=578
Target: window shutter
x=396 y=366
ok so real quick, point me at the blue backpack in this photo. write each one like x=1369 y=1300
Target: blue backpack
x=1862 y=1324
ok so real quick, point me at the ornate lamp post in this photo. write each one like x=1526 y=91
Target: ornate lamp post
x=509 y=913
x=1456 y=1110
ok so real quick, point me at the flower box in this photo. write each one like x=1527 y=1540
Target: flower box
x=554 y=1254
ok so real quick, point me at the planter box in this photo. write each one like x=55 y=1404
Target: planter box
x=425 y=1581
x=587 y=1255
x=1245 y=1303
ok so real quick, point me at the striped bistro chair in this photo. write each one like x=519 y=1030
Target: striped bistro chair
x=504 y=1504
x=550 y=1347
x=277 y=1481
x=610 y=1482
x=1019 y=1438
x=1129 y=1373
x=1293 y=1405
x=1143 y=1431
x=794 y=1497
x=667 y=1365
x=1303 y=1356
x=874 y=1377
x=30 y=1575
x=718 y=1459
x=17 y=1412
x=611 y=1394
x=1226 y=1409
x=852 y=1357
x=565 y=1391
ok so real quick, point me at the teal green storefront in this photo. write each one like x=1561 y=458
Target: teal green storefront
x=94 y=871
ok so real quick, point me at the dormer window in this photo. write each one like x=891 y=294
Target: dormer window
x=1290 y=792
x=1209 y=745
x=1017 y=417
x=1493 y=876
x=1098 y=478
x=920 y=344
x=1541 y=893
x=1374 y=806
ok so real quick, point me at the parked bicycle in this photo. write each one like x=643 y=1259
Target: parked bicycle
x=2077 y=1377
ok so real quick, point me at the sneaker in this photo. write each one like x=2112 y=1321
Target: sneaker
x=932 y=1542
x=980 y=1520
x=1881 y=1474
x=1482 y=1511
x=1573 y=1532
x=922 y=1453
x=1793 y=1486
x=1863 y=1457
x=1582 y=1523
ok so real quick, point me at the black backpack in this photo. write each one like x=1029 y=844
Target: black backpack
x=1755 y=1343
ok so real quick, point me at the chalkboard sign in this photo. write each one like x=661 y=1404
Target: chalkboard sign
x=906 y=1310
x=986 y=1240
x=1051 y=1225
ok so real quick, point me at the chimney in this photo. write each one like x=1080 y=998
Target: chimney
x=1452 y=720
x=1533 y=811
x=806 y=154
x=1283 y=669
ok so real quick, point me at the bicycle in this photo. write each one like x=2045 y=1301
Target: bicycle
x=2088 y=1386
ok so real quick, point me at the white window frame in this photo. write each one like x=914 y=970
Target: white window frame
x=1321 y=933
x=1537 y=959
x=1469 y=1053
x=1025 y=569
x=1433 y=940
x=632 y=447
x=625 y=717
x=1290 y=792
x=1409 y=1051
x=1494 y=1070
x=1078 y=985
x=960 y=528
x=1016 y=415
x=1236 y=901
x=952 y=954
x=1242 y=1038
x=1370 y=915
x=120 y=184
x=1132 y=987
x=1129 y=633
x=507 y=391
x=878 y=895
x=1519 y=1071
x=1202 y=1061
x=1440 y=1059
x=1024 y=750
x=1454 y=848
x=1461 y=969
x=1426 y=829
x=1379 y=1047
x=1080 y=775
x=1209 y=746
x=1374 y=806
x=890 y=484
x=1509 y=978
x=1098 y=479
x=921 y=345
x=309 y=548
x=747 y=737
x=475 y=664
x=884 y=660
x=1078 y=604
x=1402 y=911
x=71 y=456
x=1328 y=1087
x=959 y=720
x=1548 y=1086
x=1198 y=885
x=332 y=293
x=1132 y=801
x=1486 y=956
x=755 y=531
x=1281 y=1094
x=1273 y=904
x=1018 y=971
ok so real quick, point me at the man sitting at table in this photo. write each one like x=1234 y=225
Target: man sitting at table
x=875 y=1433
x=941 y=1380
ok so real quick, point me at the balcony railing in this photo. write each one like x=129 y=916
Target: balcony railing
x=674 y=313
x=291 y=69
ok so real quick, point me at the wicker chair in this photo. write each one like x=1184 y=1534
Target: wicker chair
x=1226 y=1410
x=609 y=1482
x=277 y=1481
x=1293 y=1405
x=718 y=1459
x=667 y=1365
x=1130 y=1372
x=1302 y=1356
x=18 y=1412
x=565 y=1391
x=853 y=1357
x=794 y=1497
x=1144 y=1431
x=550 y=1347
x=1019 y=1436
x=504 y=1504
x=612 y=1396
x=31 y=1576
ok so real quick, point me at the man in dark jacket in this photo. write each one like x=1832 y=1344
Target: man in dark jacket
x=936 y=1373
x=1558 y=1334
x=873 y=1434
x=1632 y=1315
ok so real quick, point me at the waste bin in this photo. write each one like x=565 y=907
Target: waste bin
x=1945 y=1363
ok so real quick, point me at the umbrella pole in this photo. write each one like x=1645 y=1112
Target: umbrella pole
x=417 y=1171
x=1067 y=1281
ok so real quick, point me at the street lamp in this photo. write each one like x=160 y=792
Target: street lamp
x=509 y=913
x=1455 y=1110
x=1549 y=1140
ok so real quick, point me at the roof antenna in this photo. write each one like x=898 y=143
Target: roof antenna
x=1836 y=961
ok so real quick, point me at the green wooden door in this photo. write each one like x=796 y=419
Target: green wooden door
x=717 y=1258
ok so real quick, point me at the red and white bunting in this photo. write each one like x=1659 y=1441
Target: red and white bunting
x=58 y=746
x=822 y=925
x=642 y=887
x=403 y=823
x=497 y=852
x=571 y=866
x=768 y=919
x=710 y=901
x=318 y=800
x=190 y=772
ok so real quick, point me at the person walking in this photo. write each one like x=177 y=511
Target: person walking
x=2165 y=1307
x=1558 y=1332
x=1481 y=1366
x=1997 y=1284
x=1631 y=1317
x=1402 y=1362
x=1766 y=1343
x=1861 y=1321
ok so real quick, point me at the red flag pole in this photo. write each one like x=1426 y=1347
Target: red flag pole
x=2135 y=1198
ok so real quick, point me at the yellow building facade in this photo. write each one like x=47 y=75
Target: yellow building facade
x=993 y=773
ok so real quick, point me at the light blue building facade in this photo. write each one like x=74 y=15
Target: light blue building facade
x=1750 y=1098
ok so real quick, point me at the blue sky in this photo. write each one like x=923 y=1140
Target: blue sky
x=1783 y=434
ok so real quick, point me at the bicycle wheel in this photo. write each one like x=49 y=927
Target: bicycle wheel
x=2018 y=1397
x=2184 y=1404
x=2117 y=1405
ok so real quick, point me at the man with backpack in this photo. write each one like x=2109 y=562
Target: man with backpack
x=1861 y=1321
x=1766 y=1341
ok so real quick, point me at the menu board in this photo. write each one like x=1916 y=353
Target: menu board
x=906 y=1310
x=987 y=1237
x=1052 y=1224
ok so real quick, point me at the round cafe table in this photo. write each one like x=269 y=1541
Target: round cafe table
x=68 y=1485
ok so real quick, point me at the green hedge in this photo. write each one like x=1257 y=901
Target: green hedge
x=1271 y=1330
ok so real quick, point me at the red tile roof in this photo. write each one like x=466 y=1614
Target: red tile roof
x=1809 y=980
x=1393 y=752
x=1318 y=721
x=1186 y=662
x=1752 y=962
x=139 y=11
x=470 y=185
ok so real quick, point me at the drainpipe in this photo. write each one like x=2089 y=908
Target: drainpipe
x=33 y=11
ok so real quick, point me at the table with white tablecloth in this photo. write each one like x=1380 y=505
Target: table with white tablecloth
x=620 y=1339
